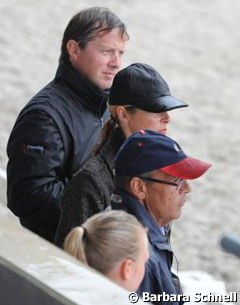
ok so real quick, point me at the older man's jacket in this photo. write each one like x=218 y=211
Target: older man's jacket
x=159 y=278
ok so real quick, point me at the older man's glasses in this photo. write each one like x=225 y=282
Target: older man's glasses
x=177 y=184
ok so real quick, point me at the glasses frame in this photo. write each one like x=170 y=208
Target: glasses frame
x=161 y=181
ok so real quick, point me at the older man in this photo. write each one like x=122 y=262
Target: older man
x=152 y=175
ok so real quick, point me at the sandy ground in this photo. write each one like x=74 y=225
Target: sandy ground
x=195 y=45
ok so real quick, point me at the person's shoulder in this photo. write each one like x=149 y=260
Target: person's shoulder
x=94 y=173
x=95 y=165
x=42 y=98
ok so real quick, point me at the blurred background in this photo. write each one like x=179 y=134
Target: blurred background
x=195 y=45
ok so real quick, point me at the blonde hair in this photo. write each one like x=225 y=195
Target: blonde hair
x=105 y=239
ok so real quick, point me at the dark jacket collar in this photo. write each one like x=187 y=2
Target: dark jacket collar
x=92 y=97
x=111 y=147
x=126 y=201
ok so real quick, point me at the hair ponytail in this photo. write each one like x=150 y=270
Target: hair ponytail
x=105 y=134
x=74 y=243
x=110 y=237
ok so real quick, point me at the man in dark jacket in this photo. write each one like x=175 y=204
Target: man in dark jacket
x=56 y=131
x=151 y=171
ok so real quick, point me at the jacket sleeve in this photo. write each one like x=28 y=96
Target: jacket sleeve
x=84 y=196
x=150 y=286
x=35 y=168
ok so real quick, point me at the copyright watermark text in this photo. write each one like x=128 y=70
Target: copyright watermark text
x=232 y=297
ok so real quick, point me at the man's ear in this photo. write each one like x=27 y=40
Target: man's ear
x=73 y=49
x=138 y=188
x=126 y=269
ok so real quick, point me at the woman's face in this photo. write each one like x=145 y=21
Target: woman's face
x=138 y=266
x=141 y=119
x=128 y=272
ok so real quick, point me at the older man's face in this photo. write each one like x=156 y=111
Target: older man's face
x=165 y=202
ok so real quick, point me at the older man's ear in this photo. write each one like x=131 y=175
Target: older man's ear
x=138 y=188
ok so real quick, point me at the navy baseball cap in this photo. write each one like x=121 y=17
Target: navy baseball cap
x=141 y=86
x=145 y=151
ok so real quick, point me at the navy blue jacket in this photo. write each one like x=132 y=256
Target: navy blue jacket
x=158 y=275
x=53 y=136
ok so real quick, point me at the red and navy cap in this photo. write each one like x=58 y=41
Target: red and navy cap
x=145 y=151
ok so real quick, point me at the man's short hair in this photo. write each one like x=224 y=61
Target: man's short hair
x=123 y=183
x=86 y=25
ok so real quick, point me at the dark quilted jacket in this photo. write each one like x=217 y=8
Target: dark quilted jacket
x=90 y=190
x=53 y=136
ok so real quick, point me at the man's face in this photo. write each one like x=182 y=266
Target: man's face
x=101 y=59
x=164 y=202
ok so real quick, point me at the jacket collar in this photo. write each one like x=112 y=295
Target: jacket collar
x=123 y=200
x=91 y=95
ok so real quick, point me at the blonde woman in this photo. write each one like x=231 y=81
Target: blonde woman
x=113 y=243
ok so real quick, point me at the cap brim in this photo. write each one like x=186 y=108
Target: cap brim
x=161 y=104
x=188 y=168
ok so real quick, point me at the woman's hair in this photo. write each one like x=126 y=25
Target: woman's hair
x=85 y=26
x=106 y=239
x=109 y=126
